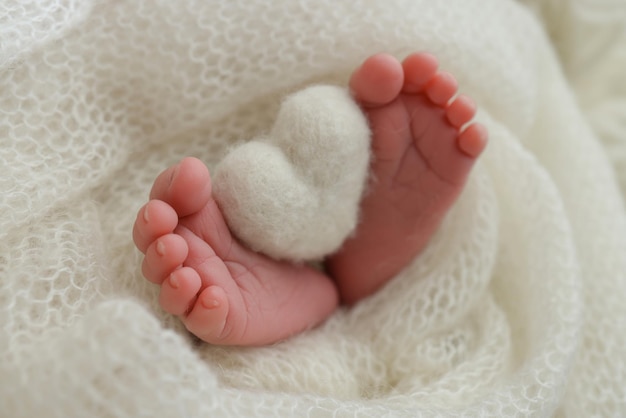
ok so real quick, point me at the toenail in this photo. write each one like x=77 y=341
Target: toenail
x=174 y=173
x=210 y=303
x=160 y=248
x=145 y=215
x=174 y=283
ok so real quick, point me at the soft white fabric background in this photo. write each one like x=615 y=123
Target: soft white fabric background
x=516 y=309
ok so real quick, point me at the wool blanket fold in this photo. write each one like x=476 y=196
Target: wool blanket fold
x=516 y=307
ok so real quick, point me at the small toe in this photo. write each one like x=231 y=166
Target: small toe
x=154 y=219
x=461 y=111
x=419 y=69
x=473 y=140
x=207 y=319
x=186 y=186
x=377 y=81
x=179 y=291
x=163 y=256
x=441 y=88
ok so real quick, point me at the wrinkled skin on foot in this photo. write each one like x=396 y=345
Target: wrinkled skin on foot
x=423 y=150
x=223 y=292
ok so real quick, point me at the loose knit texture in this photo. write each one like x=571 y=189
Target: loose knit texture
x=514 y=309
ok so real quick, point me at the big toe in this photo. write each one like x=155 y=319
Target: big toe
x=185 y=186
x=377 y=81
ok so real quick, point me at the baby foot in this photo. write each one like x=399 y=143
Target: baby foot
x=223 y=292
x=422 y=155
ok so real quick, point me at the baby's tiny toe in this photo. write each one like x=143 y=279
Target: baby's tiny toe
x=441 y=88
x=473 y=140
x=154 y=219
x=207 y=319
x=163 y=256
x=419 y=69
x=179 y=290
x=461 y=111
x=377 y=81
x=186 y=186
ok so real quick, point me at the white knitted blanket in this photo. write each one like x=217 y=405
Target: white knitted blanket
x=515 y=309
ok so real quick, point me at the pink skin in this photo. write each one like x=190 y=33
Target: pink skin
x=227 y=294
x=422 y=157
x=223 y=292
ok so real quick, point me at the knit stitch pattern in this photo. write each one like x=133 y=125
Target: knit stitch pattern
x=514 y=309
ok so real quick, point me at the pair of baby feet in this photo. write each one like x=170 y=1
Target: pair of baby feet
x=424 y=146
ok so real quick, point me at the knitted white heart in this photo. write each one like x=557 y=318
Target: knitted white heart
x=295 y=194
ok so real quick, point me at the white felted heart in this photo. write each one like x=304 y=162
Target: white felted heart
x=295 y=194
